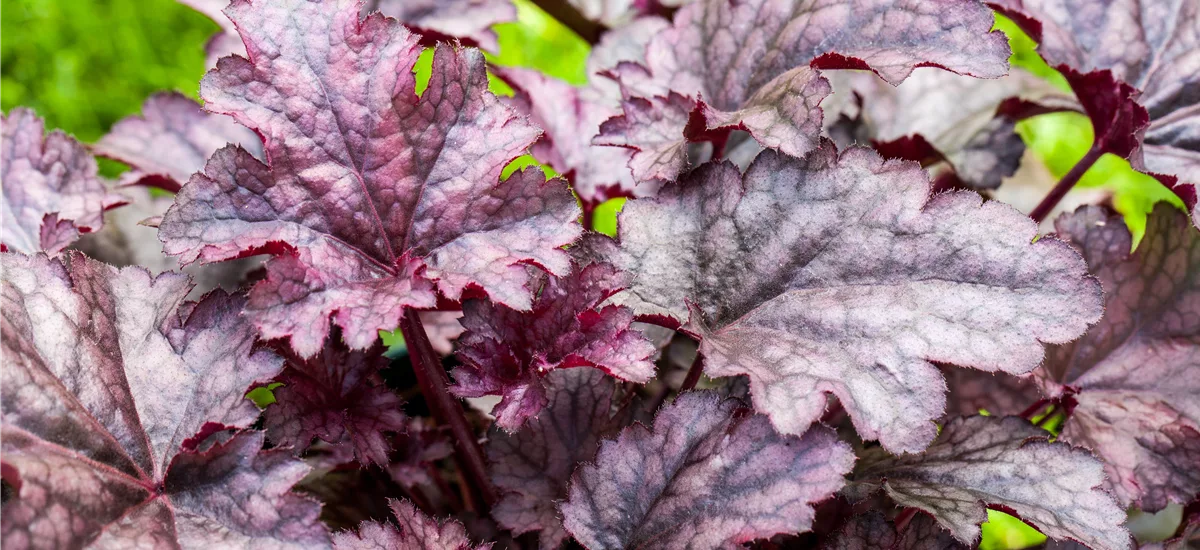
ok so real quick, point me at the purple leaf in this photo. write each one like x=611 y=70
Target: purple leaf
x=1135 y=377
x=749 y=65
x=1004 y=463
x=107 y=378
x=533 y=465
x=572 y=116
x=1150 y=46
x=443 y=328
x=416 y=531
x=51 y=190
x=840 y=274
x=872 y=531
x=708 y=474
x=956 y=114
x=1117 y=118
x=972 y=391
x=375 y=199
x=336 y=396
x=507 y=352
x=171 y=140
x=467 y=20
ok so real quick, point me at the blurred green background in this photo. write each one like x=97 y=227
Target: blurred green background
x=84 y=64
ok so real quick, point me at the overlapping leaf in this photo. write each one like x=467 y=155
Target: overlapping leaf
x=1152 y=46
x=375 y=199
x=709 y=474
x=414 y=531
x=508 y=353
x=751 y=65
x=110 y=386
x=1003 y=462
x=572 y=116
x=171 y=140
x=872 y=531
x=467 y=20
x=51 y=190
x=1136 y=376
x=533 y=465
x=840 y=274
x=336 y=396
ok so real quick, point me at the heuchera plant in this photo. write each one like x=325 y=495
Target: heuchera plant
x=818 y=326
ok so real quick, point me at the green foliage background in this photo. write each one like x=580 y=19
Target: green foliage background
x=84 y=64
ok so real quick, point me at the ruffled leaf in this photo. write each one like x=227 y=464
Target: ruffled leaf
x=1134 y=379
x=467 y=20
x=376 y=199
x=413 y=531
x=338 y=397
x=749 y=65
x=508 y=353
x=51 y=190
x=840 y=274
x=1008 y=464
x=709 y=474
x=108 y=377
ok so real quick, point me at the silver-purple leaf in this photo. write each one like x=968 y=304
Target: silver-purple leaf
x=171 y=140
x=708 y=474
x=840 y=274
x=414 y=531
x=1152 y=46
x=375 y=199
x=533 y=465
x=1005 y=463
x=872 y=531
x=52 y=192
x=1134 y=379
x=750 y=65
x=110 y=382
x=467 y=20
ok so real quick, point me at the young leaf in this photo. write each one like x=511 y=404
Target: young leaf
x=171 y=140
x=373 y=195
x=840 y=274
x=572 y=116
x=872 y=531
x=1135 y=377
x=336 y=396
x=467 y=20
x=1149 y=46
x=506 y=352
x=749 y=65
x=1004 y=463
x=708 y=474
x=533 y=465
x=51 y=190
x=110 y=388
x=414 y=530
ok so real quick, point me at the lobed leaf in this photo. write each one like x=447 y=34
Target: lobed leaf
x=338 y=397
x=111 y=388
x=414 y=531
x=750 y=65
x=1004 y=463
x=509 y=353
x=52 y=193
x=709 y=474
x=374 y=199
x=1135 y=377
x=840 y=274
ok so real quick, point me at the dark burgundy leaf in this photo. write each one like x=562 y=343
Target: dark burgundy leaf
x=414 y=531
x=1005 y=463
x=872 y=531
x=336 y=396
x=708 y=474
x=1117 y=118
x=377 y=199
x=417 y=448
x=467 y=20
x=508 y=353
x=51 y=190
x=107 y=377
x=1150 y=46
x=171 y=140
x=998 y=393
x=1134 y=379
x=533 y=465
x=840 y=274
x=745 y=65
